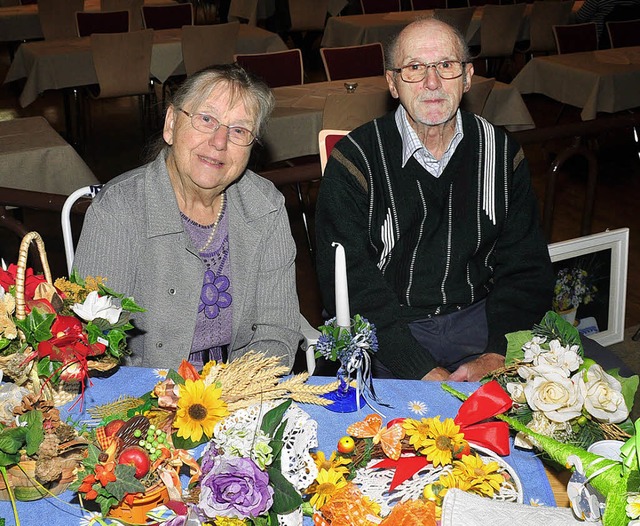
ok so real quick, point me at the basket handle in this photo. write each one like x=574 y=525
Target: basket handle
x=22 y=269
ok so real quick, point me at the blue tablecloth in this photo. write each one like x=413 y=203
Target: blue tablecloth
x=404 y=397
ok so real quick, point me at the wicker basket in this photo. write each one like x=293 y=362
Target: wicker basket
x=25 y=487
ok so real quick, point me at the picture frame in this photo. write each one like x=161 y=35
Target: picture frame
x=603 y=260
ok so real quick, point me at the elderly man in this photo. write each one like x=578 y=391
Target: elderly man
x=435 y=209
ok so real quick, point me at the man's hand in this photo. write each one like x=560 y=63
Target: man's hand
x=437 y=374
x=474 y=370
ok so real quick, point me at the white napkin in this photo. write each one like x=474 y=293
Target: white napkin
x=465 y=509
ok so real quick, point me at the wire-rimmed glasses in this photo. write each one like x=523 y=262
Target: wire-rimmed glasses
x=205 y=123
x=446 y=69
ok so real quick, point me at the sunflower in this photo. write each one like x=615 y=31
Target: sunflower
x=200 y=408
x=418 y=431
x=335 y=462
x=483 y=478
x=445 y=439
x=229 y=521
x=328 y=482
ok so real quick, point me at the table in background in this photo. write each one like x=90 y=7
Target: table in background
x=292 y=130
x=34 y=157
x=402 y=394
x=607 y=80
x=68 y=63
x=22 y=23
x=353 y=30
x=267 y=8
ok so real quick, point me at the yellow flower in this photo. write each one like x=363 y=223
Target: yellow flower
x=228 y=521
x=633 y=505
x=328 y=482
x=483 y=478
x=445 y=439
x=335 y=462
x=418 y=431
x=199 y=410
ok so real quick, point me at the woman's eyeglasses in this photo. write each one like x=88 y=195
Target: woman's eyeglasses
x=205 y=123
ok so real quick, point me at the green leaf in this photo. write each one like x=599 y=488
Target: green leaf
x=36 y=326
x=106 y=502
x=4 y=343
x=272 y=418
x=9 y=459
x=12 y=439
x=49 y=369
x=115 y=336
x=629 y=387
x=74 y=277
x=187 y=443
x=131 y=306
x=92 y=457
x=125 y=482
x=93 y=332
x=515 y=342
x=173 y=375
x=35 y=431
x=285 y=497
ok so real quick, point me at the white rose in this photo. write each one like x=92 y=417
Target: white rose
x=516 y=391
x=98 y=307
x=532 y=349
x=558 y=397
x=604 y=399
x=542 y=425
x=564 y=358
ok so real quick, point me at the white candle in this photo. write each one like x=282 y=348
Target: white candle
x=343 y=318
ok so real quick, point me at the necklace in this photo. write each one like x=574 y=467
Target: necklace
x=215 y=224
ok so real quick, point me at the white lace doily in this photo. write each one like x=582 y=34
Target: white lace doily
x=375 y=483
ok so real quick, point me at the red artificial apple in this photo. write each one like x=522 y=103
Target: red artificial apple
x=113 y=427
x=137 y=457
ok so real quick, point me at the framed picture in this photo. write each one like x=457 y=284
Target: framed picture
x=591 y=283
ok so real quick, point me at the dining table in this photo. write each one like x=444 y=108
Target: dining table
x=33 y=156
x=292 y=130
x=606 y=80
x=267 y=8
x=21 y=22
x=353 y=30
x=398 y=398
x=67 y=63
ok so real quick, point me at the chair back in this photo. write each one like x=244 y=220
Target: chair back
x=499 y=29
x=351 y=62
x=308 y=15
x=169 y=16
x=458 y=17
x=475 y=99
x=575 y=38
x=90 y=22
x=417 y=5
x=204 y=46
x=347 y=111
x=122 y=62
x=65 y=218
x=327 y=139
x=244 y=11
x=545 y=15
x=133 y=6
x=624 y=33
x=282 y=68
x=379 y=6
x=58 y=18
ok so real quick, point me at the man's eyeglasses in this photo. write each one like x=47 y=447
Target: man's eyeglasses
x=446 y=69
x=205 y=123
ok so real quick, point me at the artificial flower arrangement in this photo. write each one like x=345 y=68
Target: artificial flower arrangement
x=53 y=333
x=399 y=473
x=573 y=287
x=256 y=460
x=560 y=394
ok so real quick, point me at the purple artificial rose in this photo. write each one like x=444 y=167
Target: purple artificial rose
x=206 y=462
x=235 y=487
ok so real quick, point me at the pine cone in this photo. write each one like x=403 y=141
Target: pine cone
x=48 y=469
x=16 y=369
x=65 y=433
x=49 y=446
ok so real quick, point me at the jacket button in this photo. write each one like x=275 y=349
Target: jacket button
x=172 y=291
x=159 y=345
x=254 y=327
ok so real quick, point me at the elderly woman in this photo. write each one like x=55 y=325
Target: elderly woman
x=200 y=241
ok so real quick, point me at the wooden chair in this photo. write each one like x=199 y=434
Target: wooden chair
x=282 y=68
x=624 y=33
x=351 y=62
x=123 y=66
x=575 y=38
x=170 y=16
x=90 y=22
x=204 y=46
x=545 y=15
x=458 y=17
x=417 y=5
x=327 y=139
x=133 y=6
x=379 y=6
x=499 y=29
x=347 y=111
x=58 y=18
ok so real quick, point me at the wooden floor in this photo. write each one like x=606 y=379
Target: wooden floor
x=116 y=144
